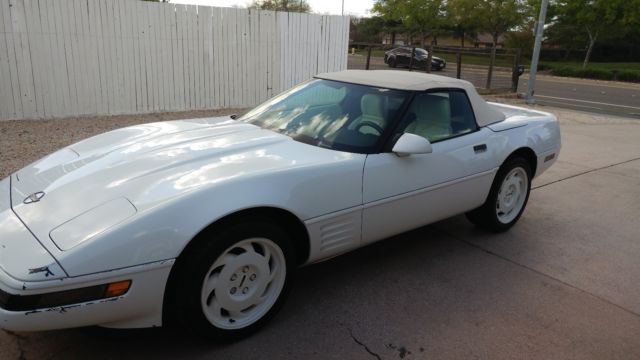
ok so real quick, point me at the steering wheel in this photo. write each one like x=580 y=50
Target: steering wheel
x=370 y=124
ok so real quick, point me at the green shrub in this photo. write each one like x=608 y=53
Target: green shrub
x=543 y=67
x=601 y=74
x=582 y=73
x=629 y=75
x=592 y=72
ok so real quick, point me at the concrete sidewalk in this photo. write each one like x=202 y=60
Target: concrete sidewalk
x=562 y=284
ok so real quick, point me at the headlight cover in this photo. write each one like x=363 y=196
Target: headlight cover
x=91 y=223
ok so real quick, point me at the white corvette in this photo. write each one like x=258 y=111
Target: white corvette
x=202 y=222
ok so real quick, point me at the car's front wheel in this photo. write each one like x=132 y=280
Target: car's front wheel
x=507 y=198
x=234 y=280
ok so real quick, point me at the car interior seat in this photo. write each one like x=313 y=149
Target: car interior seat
x=432 y=117
x=373 y=110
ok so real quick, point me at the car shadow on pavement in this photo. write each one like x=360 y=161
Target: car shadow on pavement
x=329 y=303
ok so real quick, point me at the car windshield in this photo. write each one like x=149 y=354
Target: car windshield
x=420 y=51
x=331 y=114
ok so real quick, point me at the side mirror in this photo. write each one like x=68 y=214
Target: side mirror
x=411 y=144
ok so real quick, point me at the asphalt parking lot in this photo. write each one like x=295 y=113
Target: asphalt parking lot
x=562 y=284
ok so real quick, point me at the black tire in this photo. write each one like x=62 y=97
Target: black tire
x=486 y=216
x=392 y=62
x=193 y=268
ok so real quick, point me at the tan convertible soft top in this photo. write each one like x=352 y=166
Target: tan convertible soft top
x=416 y=81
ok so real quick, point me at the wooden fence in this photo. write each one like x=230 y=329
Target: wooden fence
x=75 y=57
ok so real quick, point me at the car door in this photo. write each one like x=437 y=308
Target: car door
x=401 y=193
x=403 y=57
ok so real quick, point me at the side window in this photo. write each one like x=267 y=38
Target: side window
x=462 y=118
x=440 y=115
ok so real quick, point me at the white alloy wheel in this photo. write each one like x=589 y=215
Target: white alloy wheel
x=243 y=283
x=512 y=195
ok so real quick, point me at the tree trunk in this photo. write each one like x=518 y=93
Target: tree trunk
x=495 y=39
x=422 y=40
x=462 y=40
x=393 y=38
x=592 y=41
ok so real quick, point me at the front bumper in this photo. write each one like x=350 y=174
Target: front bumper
x=29 y=273
x=140 y=307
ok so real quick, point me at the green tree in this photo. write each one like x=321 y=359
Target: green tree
x=368 y=29
x=421 y=17
x=424 y=17
x=522 y=39
x=594 y=20
x=391 y=13
x=281 y=5
x=523 y=35
x=499 y=16
x=462 y=18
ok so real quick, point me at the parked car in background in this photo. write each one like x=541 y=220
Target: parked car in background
x=401 y=56
x=203 y=222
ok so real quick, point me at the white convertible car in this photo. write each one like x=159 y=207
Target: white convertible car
x=201 y=222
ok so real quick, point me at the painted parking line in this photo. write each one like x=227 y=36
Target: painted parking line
x=588 y=102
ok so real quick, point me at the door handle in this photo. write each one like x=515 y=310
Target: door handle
x=480 y=148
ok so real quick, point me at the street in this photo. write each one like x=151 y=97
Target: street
x=605 y=97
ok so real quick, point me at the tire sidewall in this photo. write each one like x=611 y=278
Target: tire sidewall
x=193 y=269
x=490 y=216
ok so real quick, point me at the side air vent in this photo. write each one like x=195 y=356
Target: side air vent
x=336 y=234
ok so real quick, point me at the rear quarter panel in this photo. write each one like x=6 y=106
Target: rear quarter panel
x=524 y=128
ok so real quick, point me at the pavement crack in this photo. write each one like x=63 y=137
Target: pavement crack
x=504 y=258
x=586 y=172
x=363 y=345
x=19 y=340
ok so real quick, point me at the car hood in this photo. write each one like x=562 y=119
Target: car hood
x=131 y=169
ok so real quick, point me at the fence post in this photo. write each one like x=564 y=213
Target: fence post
x=515 y=76
x=413 y=54
x=368 y=57
x=458 y=64
x=429 y=57
x=491 y=63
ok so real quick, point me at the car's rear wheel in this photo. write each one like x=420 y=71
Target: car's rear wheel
x=507 y=198
x=392 y=62
x=234 y=280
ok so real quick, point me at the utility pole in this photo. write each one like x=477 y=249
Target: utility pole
x=342 y=7
x=536 y=52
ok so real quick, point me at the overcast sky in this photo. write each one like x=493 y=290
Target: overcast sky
x=334 y=7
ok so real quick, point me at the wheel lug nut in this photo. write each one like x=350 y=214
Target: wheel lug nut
x=245 y=269
x=245 y=290
x=252 y=277
x=233 y=277
x=233 y=290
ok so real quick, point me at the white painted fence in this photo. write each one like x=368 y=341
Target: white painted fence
x=75 y=57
